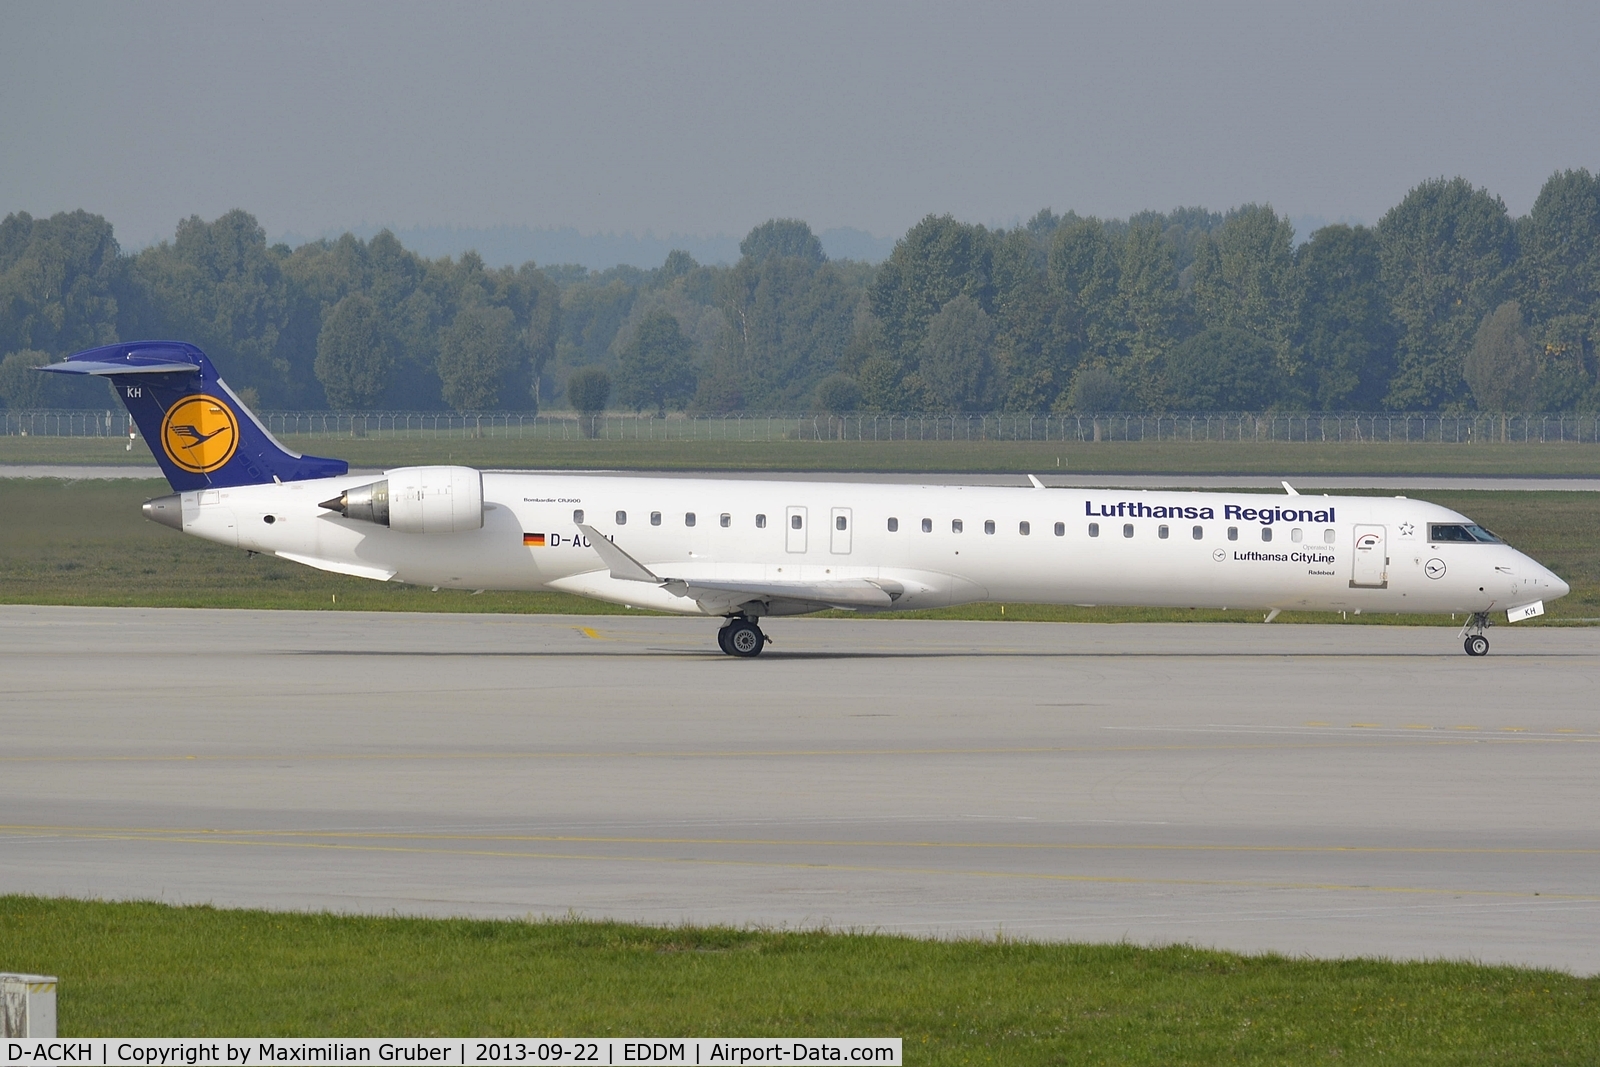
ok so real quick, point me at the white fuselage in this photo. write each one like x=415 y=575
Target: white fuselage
x=937 y=545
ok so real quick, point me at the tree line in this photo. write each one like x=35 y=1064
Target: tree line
x=1447 y=304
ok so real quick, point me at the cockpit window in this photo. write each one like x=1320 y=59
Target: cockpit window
x=1468 y=533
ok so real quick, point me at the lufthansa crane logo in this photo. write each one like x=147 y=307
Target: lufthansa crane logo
x=200 y=433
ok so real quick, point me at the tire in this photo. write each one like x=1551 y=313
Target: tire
x=1476 y=645
x=744 y=639
x=722 y=638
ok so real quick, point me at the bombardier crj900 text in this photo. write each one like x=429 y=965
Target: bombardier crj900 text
x=744 y=550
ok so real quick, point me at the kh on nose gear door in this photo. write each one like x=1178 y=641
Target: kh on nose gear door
x=1370 y=568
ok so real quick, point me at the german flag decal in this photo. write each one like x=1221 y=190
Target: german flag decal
x=533 y=540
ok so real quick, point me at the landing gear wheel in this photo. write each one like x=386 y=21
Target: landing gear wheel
x=742 y=638
x=1476 y=645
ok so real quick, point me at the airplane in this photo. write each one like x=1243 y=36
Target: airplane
x=744 y=551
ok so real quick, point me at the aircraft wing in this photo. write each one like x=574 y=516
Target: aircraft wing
x=717 y=596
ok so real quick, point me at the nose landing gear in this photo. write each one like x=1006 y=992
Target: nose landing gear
x=1472 y=638
x=741 y=637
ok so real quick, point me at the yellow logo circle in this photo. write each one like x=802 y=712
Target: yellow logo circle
x=200 y=433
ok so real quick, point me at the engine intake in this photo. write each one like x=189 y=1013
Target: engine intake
x=417 y=500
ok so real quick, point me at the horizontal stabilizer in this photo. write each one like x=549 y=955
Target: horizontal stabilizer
x=94 y=367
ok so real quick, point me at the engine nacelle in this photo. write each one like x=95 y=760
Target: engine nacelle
x=417 y=500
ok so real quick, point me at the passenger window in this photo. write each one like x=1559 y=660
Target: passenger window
x=1233 y=533
x=1061 y=529
x=1327 y=536
x=761 y=522
x=1266 y=533
x=1161 y=532
x=1127 y=529
x=622 y=518
x=1024 y=529
x=1297 y=535
x=894 y=525
x=955 y=525
x=655 y=518
x=688 y=518
x=838 y=522
x=1199 y=532
x=577 y=515
x=727 y=520
x=1094 y=529
x=988 y=526
x=927 y=526
x=795 y=522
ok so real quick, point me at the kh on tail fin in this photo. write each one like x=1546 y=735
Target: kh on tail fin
x=199 y=430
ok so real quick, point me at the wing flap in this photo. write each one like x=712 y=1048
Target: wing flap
x=717 y=595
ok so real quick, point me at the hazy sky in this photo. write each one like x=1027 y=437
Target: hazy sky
x=707 y=118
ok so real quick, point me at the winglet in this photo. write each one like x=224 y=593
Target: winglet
x=623 y=566
x=1291 y=490
x=1037 y=484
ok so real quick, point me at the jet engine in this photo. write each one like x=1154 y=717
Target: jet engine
x=417 y=500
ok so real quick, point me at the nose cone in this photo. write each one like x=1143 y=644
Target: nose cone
x=1558 y=588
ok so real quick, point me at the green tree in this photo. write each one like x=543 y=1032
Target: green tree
x=476 y=355
x=1152 y=310
x=789 y=320
x=1085 y=280
x=588 y=389
x=21 y=386
x=1447 y=252
x=1343 y=330
x=59 y=279
x=354 y=353
x=1560 y=263
x=1094 y=390
x=955 y=362
x=783 y=239
x=1244 y=280
x=219 y=285
x=655 y=369
x=1500 y=367
x=837 y=394
x=1032 y=365
x=937 y=260
x=1222 y=369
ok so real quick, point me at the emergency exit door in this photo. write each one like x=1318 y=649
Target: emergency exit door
x=1370 y=567
x=839 y=531
x=794 y=530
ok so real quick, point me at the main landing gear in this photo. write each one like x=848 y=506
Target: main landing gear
x=1472 y=638
x=741 y=637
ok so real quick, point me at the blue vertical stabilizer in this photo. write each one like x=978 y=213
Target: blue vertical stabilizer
x=199 y=430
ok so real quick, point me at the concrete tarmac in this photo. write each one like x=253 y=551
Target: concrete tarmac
x=1323 y=790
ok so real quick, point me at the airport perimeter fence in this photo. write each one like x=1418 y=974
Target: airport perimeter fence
x=1351 y=428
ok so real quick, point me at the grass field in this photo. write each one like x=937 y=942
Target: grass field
x=86 y=542
x=140 y=969
x=1231 y=457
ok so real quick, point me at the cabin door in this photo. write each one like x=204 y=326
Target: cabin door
x=1370 y=569
x=840 y=531
x=795 y=530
